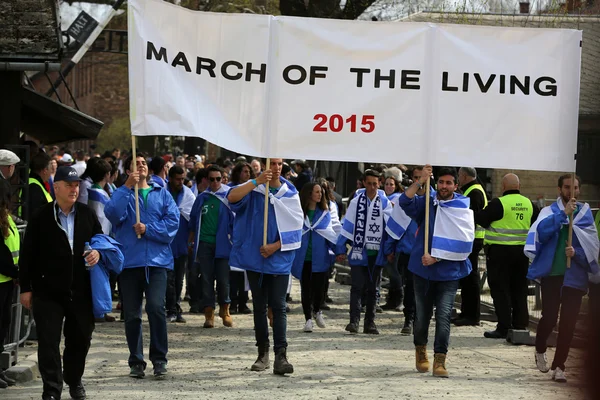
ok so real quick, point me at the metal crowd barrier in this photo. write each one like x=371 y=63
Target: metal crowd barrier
x=20 y=327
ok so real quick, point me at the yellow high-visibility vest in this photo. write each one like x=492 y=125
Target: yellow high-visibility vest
x=512 y=229
x=479 y=230
x=13 y=242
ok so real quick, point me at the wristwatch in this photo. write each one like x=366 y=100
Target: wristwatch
x=437 y=259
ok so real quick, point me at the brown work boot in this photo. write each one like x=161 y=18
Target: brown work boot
x=439 y=365
x=270 y=316
x=225 y=316
x=209 y=315
x=421 y=358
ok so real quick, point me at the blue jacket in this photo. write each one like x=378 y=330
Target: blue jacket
x=548 y=231
x=321 y=258
x=248 y=237
x=443 y=270
x=224 y=230
x=111 y=261
x=405 y=244
x=161 y=217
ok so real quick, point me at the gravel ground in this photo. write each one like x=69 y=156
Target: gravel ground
x=329 y=364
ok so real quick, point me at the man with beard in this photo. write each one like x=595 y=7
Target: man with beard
x=563 y=285
x=438 y=269
x=507 y=220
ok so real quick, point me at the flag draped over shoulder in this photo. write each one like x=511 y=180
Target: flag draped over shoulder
x=288 y=212
x=583 y=227
x=454 y=229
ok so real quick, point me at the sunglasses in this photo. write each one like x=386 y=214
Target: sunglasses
x=217 y=179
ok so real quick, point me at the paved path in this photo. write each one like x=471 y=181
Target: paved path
x=329 y=364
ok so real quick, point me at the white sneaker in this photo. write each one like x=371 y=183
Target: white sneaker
x=308 y=327
x=542 y=362
x=319 y=319
x=558 y=375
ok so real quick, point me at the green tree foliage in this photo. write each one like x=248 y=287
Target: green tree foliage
x=117 y=134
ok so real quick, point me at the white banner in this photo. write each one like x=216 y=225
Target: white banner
x=325 y=89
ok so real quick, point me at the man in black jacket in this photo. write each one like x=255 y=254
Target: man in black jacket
x=55 y=283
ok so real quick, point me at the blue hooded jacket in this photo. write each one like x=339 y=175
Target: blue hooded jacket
x=321 y=257
x=405 y=244
x=548 y=232
x=444 y=270
x=111 y=260
x=224 y=229
x=248 y=236
x=161 y=217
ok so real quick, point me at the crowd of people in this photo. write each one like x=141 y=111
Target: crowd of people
x=157 y=225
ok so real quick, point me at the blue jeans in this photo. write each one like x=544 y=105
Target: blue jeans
x=212 y=268
x=441 y=295
x=133 y=285
x=269 y=290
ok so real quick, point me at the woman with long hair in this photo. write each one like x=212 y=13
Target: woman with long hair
x=238 y=292
x=392 y=186
x=9 y=259
x=312 y=259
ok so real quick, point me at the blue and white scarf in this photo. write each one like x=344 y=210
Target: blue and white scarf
x=323 y=226
x=583 y=227
x=454 y=229
x=364 y=223
x=289 y=215
x=97 y=199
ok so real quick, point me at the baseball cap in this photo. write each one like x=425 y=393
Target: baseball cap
x=66 y=158
x=7 y=157
x=67 y=174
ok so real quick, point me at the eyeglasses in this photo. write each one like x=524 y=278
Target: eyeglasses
x=217 y=179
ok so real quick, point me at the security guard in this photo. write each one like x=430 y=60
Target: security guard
x=39 y=176
x=9 y=259
x=470 y=299
x=507 y=220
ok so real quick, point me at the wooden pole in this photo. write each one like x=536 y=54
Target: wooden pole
x=427 y=189
x=570 y=238
x=134 y=169
x=266 y=217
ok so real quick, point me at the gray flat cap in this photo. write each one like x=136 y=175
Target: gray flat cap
x=7 y=157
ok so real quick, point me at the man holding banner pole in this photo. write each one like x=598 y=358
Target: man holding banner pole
x=438 y=269
x=268 y=265
x=148 y=257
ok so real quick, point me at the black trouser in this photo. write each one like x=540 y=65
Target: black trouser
x=237 y=288
x=49 y=314
x=507 y=276
x=175 y=286
x=470 y=306
x=555 y=296
x=311 y=285
x=364 y=279
x=6 y=294
x=408 y=288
